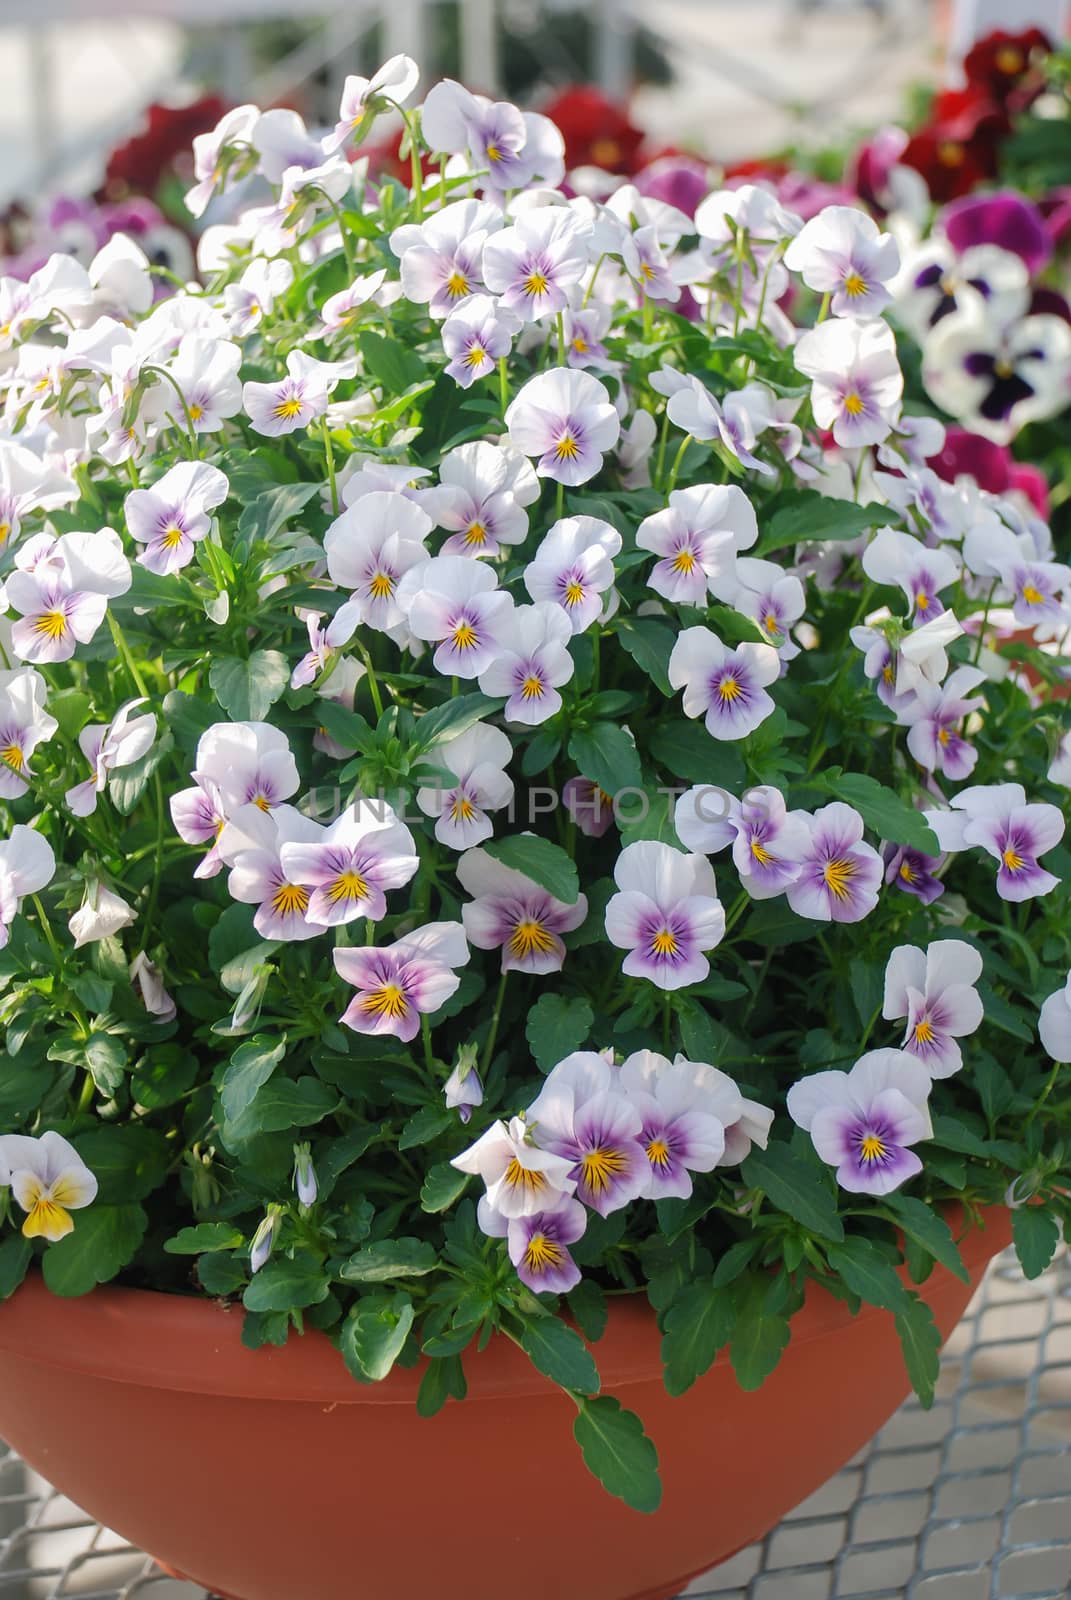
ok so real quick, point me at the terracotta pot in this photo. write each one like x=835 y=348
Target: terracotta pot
x=271 y=1475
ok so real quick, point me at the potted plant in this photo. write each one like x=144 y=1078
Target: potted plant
x=524 y=866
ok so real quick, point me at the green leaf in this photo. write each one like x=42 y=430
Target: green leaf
x=390 y=362
x=282 y=1104
x=283 y=1285
x=650 y=645
x=759 y=1336
x=106 y=1059
x=587 y=1302
x=808 y=515
x=348 y=728
x=441 y=1187
x=104 y=1240
x=883 y=810
x=372 y=1341
x=16 y=1253
x=703 y=1039
x=222 y=1272
x=556 y=1027
x=687 y=750
x=867 y=1272
x=733 y=627
x=95 y=993
x=607 y=755
x=920 y=1339
x=425 y=1125
x=127 y=1162
x=127 y=785
x=929 y=1229
x=163 y=1076
x=268 y=512
x=561 y=1355
x=249 y=1069
x=1036 y=1233
x=385 y=1259
x=71 y=708
x=1003 y=1015
x=618 y=1452
x=697 y=1325
x=545 y=863
x=794 y=1188
x=451 y=718
x=186 y=716
x=247 y=689
x=265 y=1327
x=205 y=1236
x=444 y=1379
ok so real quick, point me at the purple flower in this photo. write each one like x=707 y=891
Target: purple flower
x=305 y=1184
x=914 y=873
x=172 y=517
x=399 y=983
x=538 y=1245
x=574 y=567
x=510 y=912
x=463 y=1090
x=458 y=603
x=532 y=667
x=769 y=843
x=729 y=686
x=696 y=537
x=590 y=807
x=1006 y=219
x=864 y=1121
x=533 y=265
x=934 y=990
x=441 y=257
x=480 y=498
x=251 y=843
x=685 y=1107
x=997 y=375
x=856 y=379
x=521 y=1180
x=346 y=867
x=476 y=336
x=934 y=718
x=893 y=557
x=666 y=914
x=1054 y=1023
x=840 y=252
x=840 y=875
x=997 y=818
x=566 y=418
x=580 y=1114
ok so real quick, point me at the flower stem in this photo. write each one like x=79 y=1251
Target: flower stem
x=676 y=467
x=503 y=385
x=329 y=456
x=126 y=657
x=489 y=1048
x=373 y=682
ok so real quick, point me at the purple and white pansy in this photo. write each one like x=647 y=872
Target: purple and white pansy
x=666 y=914
x=934 y=990
x=866 y=1122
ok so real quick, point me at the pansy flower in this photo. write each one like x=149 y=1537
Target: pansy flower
x=397 y=984
x=666 y=914
x=369 y=548
x=897 y=559
x=173 y=516
x=509 y=912
x=685 y=1108
x=48 y=1180
x=769 y=843
x=841 y=874
x=476 y=760
x=856 y=382
x=532 y=666
x=532 y=265
x=574 y=568
x=914 y=872
x=566 y=418
x=935 y=718
x=27 y=865
x=388 y=87
x=24 y=724
x=841 y=252
x=727 y=686
x=441 y=258
x=1054 y=1023
x=108 y=746
x=458 y=605
x=251 y=845
x=538 y=1245
x=347 y=867
x=997 y=818
x=480 y=498
x=773 y=598
x=997 y=376
x=476 y=337
x=277 y=408
x=934 y=990
x=521 y=1179
x=864 y=1122
x=582 y=1115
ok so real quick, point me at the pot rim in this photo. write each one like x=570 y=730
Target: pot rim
x=192 y=1344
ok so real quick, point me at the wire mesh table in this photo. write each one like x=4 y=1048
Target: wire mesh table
x=969 y=1501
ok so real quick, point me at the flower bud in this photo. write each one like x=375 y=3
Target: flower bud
x=304 y=1175
x=264 y=1239
x=463 y=1089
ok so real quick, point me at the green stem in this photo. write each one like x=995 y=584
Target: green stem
x=126 y=657
x=329 y=455
x=503 y=384
x=373 y=682
x=1050 y=1084
x=676 y=467
x=985 y=620
x=559 y=502
x=489 y=1048
x=560 y=325
x=663 y=440
x=591 y=285
x=823 y=309
x=162 y=372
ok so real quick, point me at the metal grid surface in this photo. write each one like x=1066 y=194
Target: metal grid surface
x=969 y=1501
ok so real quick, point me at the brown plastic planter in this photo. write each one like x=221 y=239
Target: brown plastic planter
x=271 y=1475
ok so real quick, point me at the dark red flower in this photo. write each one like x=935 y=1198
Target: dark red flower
x=1007 y=66
x=992 y=466
x=597 y=133
x=957 y=148
x=139 y=165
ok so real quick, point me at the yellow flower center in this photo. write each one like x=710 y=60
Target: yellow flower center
x=599 y=1167
x=838 y=875
x=286 y=409
x=761 y=854
x=535 y=283
x=348 y=885
x=854 y=285
x=457 y=284
x=771 y=623
x=1009 y=60
x=196 y=412
x=53 y=624
x=461 y=809
x=464 y=636
x=476 y=356
x=665 y=943
x=5 y=532
x=46 y=1219
x=574 y=592
x=1013 y=860
x=171 y=537
x=381 y=586
x=854 y=403
x=943 y=736
x=924 y=1031
x=658 y=1153
x=1032 y=595
x=580 y=345
x=872 y=1147
x=646 y=272
x=493 y=153
x=13 y=757
x=907 y=872
x=729 y=689
x=566 y=448
x=540 y=1253
x=526 y=1178
x=388 y=1001
x=922 y=600
x=290 y=899
x=683 y=561
x=476 y=533
x=950 y=153
x=261 y=802
x=530 y=937
x=532 y=688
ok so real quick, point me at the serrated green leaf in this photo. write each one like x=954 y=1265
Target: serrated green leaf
x=281 y=1104
x=561 y=1355
x=556 y=1027
x=759 y=1337
x=104 y=1241
x=106 y=1059
x=441 y=1187
x=372 y=1341
x=386 y=1259
x=794 y=1188
x=248 y=1070
x=205 y=1236
x=650 y=645
x=929 y=1229
x=733 y=627
x=587 y=1303
x=287 y=1285
x=697 y=1325
x=247 y=688
x=390 y=362
x=443 y=1380
x=545 y=863
x=607 y=755
x=867 y=1272
x=618 y=1452
x=1036 y=1233
x=920 y=1339
x=425 y=1125
x=883 y=810
x=809 y=515
x=451 y=718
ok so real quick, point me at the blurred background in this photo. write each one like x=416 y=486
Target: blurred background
x=729 y=79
